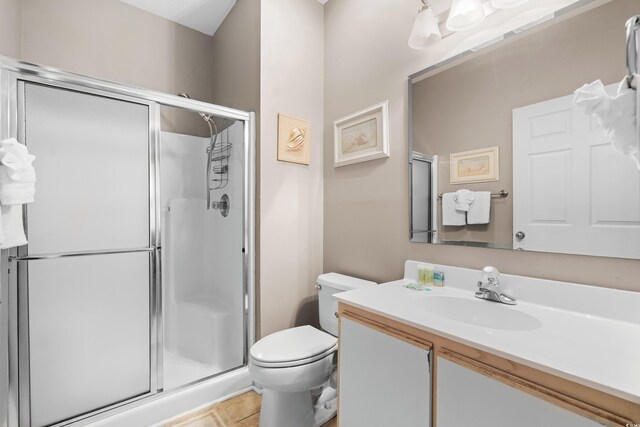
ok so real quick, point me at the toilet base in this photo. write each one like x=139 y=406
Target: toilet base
x=281 y=409
x=297 y=409
x=326 y=411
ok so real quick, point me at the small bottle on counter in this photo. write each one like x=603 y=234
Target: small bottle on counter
x=438 y=278
x=425 y=274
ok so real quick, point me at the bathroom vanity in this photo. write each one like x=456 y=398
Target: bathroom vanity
x=565 y=355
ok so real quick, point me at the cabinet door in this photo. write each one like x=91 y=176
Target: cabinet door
x=468 y=398
x=384 y=381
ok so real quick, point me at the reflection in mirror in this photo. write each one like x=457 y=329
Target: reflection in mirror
x=424 y=179
x=504 y=118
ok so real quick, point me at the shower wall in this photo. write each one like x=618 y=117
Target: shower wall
x=202 y=259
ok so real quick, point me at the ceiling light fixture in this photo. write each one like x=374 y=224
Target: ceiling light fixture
x=425 y=29
x=465 y=14
x=507 y=4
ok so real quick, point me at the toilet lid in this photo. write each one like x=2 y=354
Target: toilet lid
x=293 y=345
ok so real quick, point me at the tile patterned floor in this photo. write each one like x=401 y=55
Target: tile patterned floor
x=240 y=411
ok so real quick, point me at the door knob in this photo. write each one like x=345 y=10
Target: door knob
x=520 y=235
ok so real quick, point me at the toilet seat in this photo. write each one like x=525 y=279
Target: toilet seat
x=293 y=347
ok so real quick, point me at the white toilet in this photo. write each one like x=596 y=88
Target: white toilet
x=296 y=367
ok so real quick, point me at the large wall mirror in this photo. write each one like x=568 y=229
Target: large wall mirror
x=501 y=122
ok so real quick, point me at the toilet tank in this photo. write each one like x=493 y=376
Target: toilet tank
x=329 y=284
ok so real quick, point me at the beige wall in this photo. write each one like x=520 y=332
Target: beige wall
x=366 y=205
x=111 y=40
x=290 y=194
x=484 y=90
x=10 y=28
x=235 y=57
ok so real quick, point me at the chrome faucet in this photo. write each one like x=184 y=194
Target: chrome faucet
x=489 y=287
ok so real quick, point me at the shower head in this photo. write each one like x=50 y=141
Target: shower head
x=204 y=116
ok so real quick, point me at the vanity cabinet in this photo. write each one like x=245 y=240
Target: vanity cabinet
x=384 y=379
x=395 y=374
x=466 y=397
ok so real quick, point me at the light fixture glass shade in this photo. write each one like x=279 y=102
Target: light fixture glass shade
x=425 y=30
x=507 y=4
x=465 y=14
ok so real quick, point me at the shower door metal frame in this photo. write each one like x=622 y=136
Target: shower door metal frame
x=11 y=73
x=19 y=258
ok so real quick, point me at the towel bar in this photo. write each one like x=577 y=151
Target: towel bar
x=500 y=194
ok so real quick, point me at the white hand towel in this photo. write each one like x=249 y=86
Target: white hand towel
x=12 y=227
x=15 y=193
x=17 y=159
x=480 y=209
x=463 y=199
x=17 y=175
x=450 y=215
x=616 y=114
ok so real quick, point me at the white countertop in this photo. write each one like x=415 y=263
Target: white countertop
x=590 y=349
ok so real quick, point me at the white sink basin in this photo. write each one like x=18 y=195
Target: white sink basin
x=478 y=312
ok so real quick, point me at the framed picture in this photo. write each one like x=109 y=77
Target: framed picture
x=294 y=138
x=362 y=136
x=481 y=165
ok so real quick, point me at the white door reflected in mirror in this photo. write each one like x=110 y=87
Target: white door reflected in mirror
x=573 y=192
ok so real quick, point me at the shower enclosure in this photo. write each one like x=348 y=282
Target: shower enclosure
x=136 y=286
x=202 y=249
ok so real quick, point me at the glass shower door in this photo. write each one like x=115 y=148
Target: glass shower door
x=86 y=278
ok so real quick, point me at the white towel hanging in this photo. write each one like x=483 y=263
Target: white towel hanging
x=615 y=114
x=480 y=209
x=17 y=186
x=450 y=215
x=12 y=227
x=463 y=198
x=17 y=175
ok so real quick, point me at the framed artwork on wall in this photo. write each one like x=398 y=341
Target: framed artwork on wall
x=294 y=138
x=481 y=165
x=362 y=136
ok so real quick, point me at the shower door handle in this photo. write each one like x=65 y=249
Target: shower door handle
x=77 y=254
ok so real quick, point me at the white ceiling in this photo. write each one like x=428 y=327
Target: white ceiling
x=201 y=15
